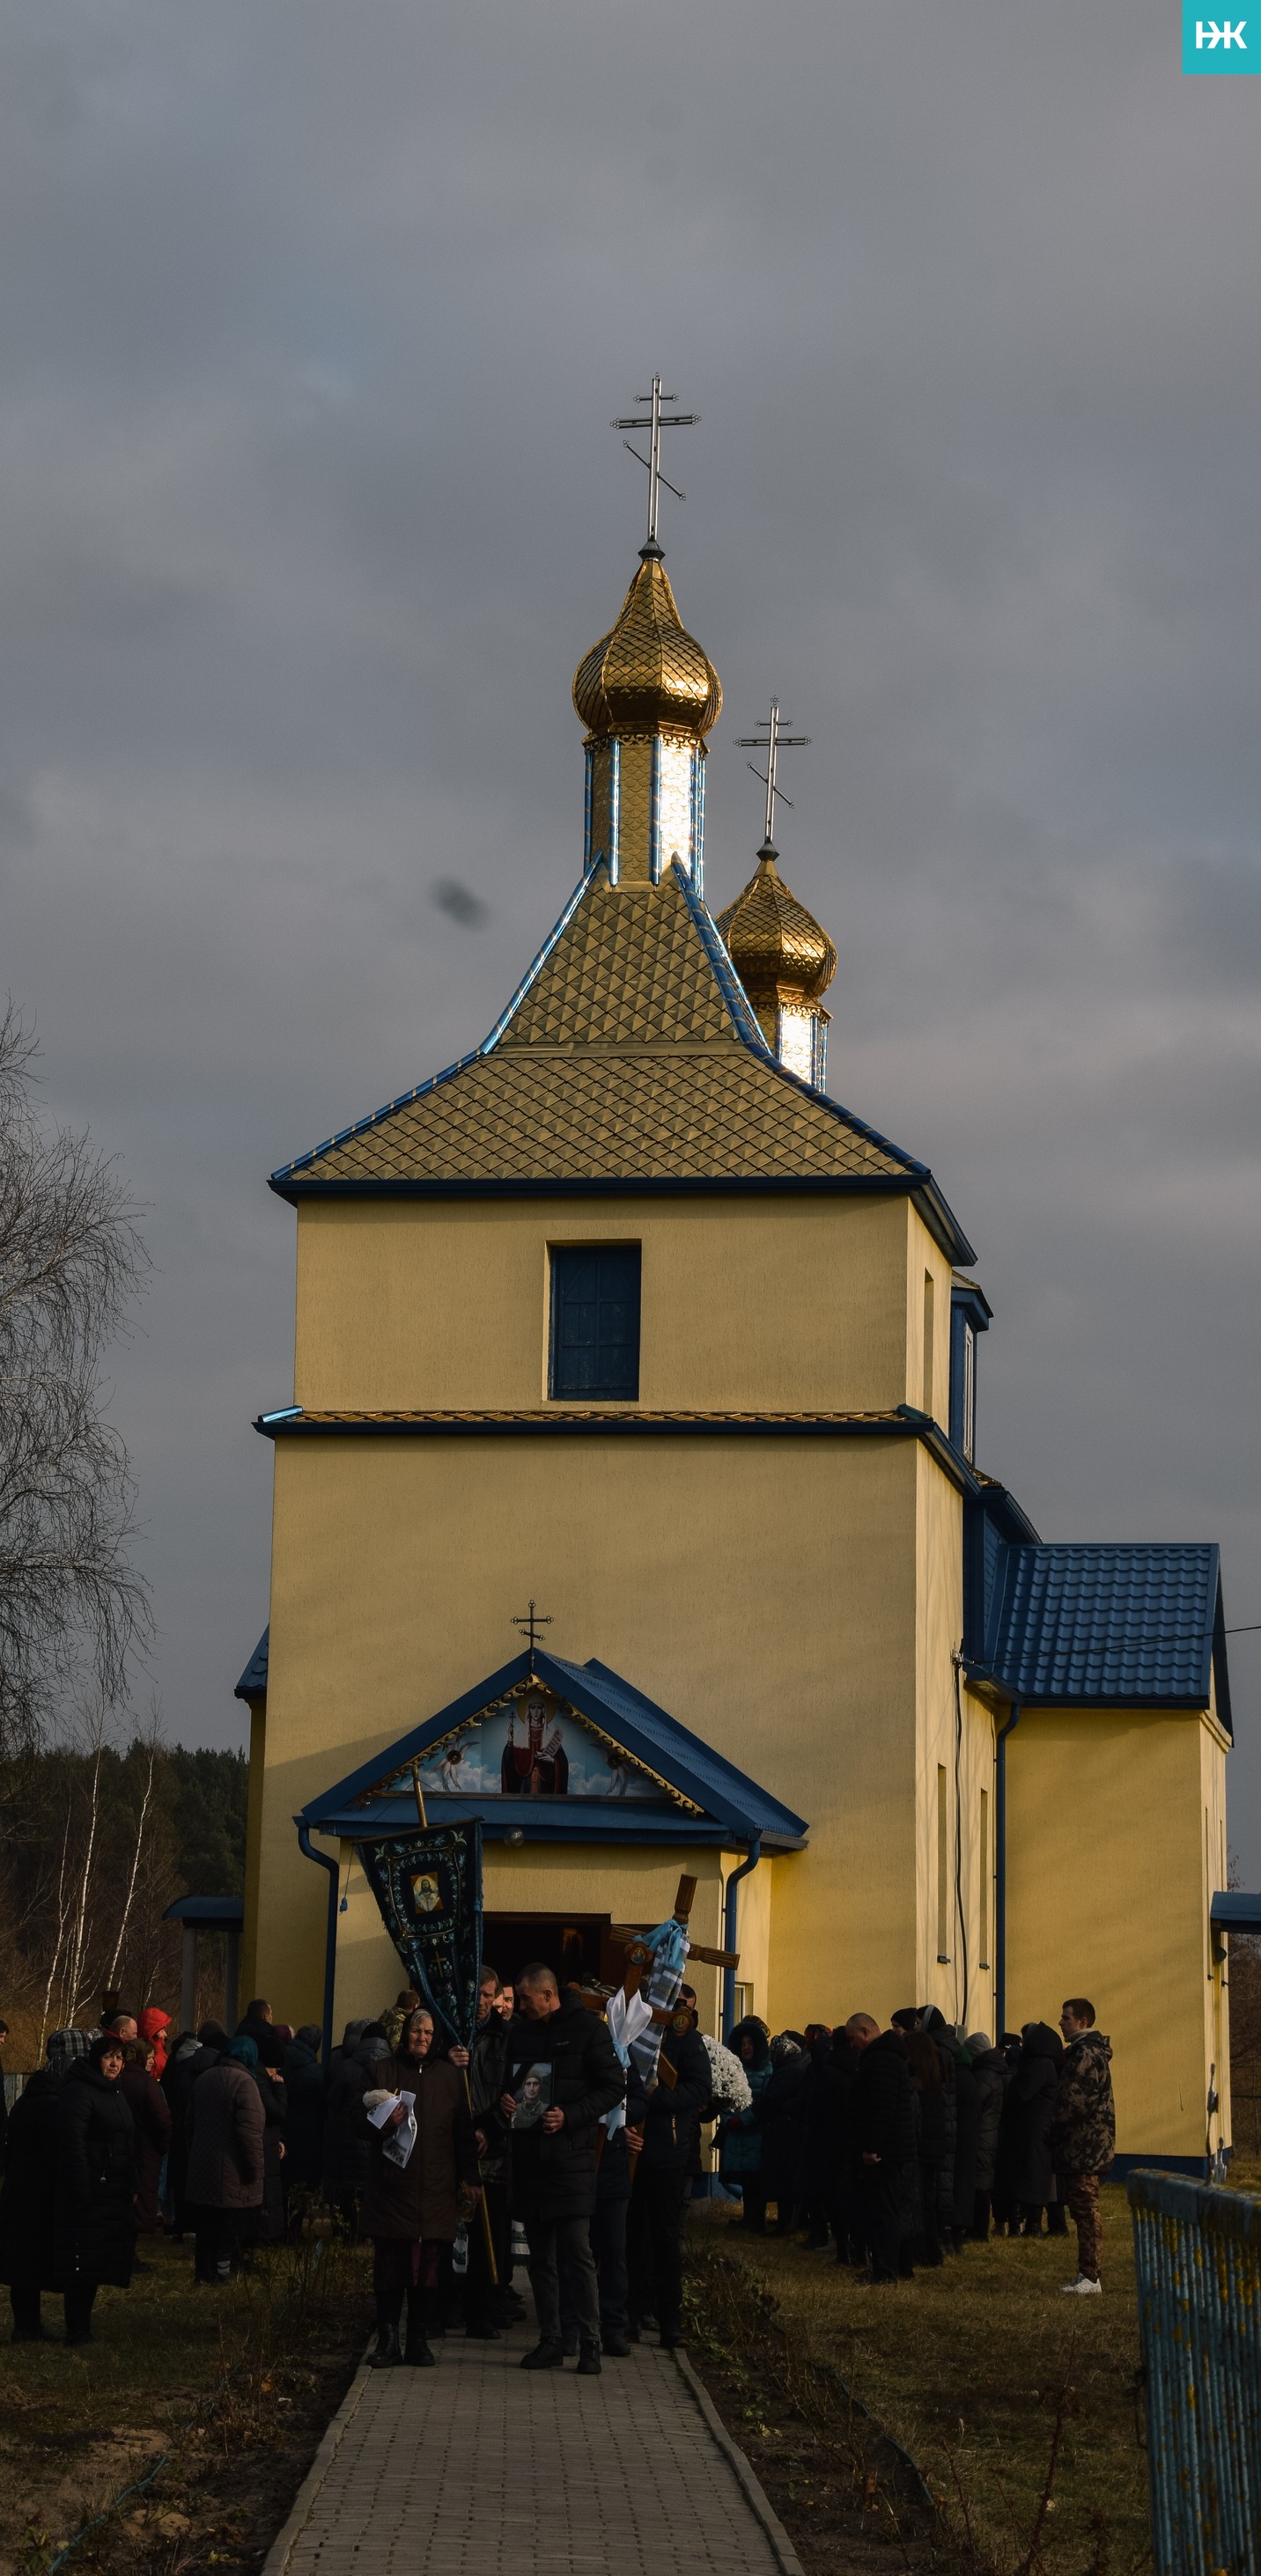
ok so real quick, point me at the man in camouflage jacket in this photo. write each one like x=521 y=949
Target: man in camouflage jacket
x=1082 y=2135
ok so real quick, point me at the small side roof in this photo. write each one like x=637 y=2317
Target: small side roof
x=1124 y=1626
x=253 y=1681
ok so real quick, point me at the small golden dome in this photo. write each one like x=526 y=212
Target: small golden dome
x=648 y=674
x=775 y=945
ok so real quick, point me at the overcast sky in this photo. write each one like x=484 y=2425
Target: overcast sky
x=313 y=320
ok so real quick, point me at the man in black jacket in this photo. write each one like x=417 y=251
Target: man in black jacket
x=885 y=2122
x=669 y=2158
x=485 y=2307
x=554 y=2157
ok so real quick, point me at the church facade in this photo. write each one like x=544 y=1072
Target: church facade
x=623 y=1316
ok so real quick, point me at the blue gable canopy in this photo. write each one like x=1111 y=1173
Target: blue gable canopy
x=692 y=1795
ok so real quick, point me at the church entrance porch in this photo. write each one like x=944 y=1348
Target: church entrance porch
x=577 y=1947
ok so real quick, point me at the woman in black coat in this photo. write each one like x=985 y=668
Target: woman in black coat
x=784 y=2129
x=95 y=2237
x=924 y=2059
x=28 y=2196
x=1028 y=2173
x=304 y=2125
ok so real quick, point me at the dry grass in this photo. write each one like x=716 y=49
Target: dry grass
x=974 y=2368
x=213 y=2378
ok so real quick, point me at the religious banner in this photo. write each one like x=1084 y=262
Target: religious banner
x=428 y=1885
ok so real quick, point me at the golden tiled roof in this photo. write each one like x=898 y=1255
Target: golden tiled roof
x=629 y=1055
x=629 y=970
x=775 y=945
x=648 y=672
x=576 y=1114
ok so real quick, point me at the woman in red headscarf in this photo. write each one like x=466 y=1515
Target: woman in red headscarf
x=152 y=2024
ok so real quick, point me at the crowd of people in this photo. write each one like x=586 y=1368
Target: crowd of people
x=892 y=2148
x=902 y=2146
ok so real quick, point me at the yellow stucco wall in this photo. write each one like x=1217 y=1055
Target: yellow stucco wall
x=1108 y=1896
x=745 y=1302
x=796 y=1602
x=762 y=1590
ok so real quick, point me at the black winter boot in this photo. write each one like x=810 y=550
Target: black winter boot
x=545 y=2356
x=588 y=2358
x=416 y=2351
x=387 y=2351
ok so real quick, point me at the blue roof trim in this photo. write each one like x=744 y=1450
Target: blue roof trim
x=253 y=1681
x=286 y=1171
x=534 y=970
x=938 y=1216
x=1103 y=1625
x=740 y=1010
x=731 y=1803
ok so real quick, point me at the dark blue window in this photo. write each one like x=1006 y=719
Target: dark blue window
x=595 y=1321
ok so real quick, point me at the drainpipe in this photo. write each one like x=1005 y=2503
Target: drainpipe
x=333 y=1867
x=1000 y=1869
x=731 y=1916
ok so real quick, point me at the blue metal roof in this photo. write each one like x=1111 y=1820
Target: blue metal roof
x=208 y=1913
x=1233 y=1911
x=732 y=1807
x=1136 y=1626
x=253 y=1681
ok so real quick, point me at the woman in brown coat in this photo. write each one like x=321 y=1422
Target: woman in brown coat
x=411 y=2210
x=225 y=2159
x=149 y=2110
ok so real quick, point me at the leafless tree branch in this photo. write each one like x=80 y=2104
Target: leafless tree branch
x=71 y=1264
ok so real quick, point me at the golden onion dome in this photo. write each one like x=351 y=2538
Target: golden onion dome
x=648 y=675
x=774 y=944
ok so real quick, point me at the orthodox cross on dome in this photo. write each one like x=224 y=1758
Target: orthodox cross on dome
x=531 y=1619
x=770 y=739
x=655 y=423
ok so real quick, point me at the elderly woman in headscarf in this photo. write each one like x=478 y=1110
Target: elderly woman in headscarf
x=422 y=2177
x=28 y=2198
x=95 y=2237
x=225 y=2159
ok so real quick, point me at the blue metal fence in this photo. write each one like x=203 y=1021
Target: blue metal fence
x=1198 y=2256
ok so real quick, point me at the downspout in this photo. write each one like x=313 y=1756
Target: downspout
x=1000 y=1869
x=333 y=1867
x=730 y=1927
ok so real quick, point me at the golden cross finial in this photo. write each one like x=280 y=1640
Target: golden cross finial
x=770 y=739
x=655 y=423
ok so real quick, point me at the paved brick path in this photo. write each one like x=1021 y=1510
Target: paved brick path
x=480 y=2466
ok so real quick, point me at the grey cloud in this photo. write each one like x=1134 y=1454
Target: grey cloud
x=314 y=322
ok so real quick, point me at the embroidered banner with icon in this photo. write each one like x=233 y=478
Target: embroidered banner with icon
x=428 y=1885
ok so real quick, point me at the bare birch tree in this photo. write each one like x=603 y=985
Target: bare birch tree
x=71 y=1262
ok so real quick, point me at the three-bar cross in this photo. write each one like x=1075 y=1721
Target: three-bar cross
x=655 y=423
x=531 y=1620
x=772 y=741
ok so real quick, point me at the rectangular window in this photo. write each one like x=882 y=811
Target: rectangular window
x=943 y=1868
x=744 y=2001
x=984 y=1908
x=595 y=1321
x=969 y=1392
x=928 y=1342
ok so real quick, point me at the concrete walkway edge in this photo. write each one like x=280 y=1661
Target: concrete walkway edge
x=744 y=2472
x=281 y=2550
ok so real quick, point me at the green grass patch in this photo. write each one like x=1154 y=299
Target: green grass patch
x=982 y=2370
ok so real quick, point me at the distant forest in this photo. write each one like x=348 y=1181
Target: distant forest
x=95 y=1843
